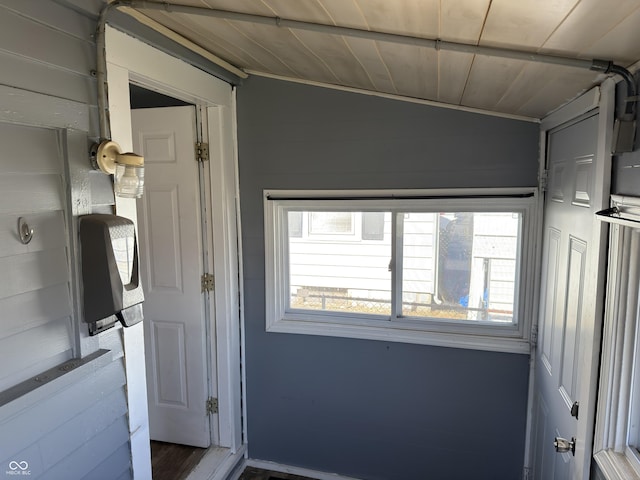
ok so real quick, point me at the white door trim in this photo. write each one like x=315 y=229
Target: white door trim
x=602 y=97
x=602 y=188
x=129 y=59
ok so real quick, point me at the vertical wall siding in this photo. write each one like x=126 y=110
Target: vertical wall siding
x=79 y=431
x=626 y=171
x=372 y=409
x=35 y=288
x=48 y=49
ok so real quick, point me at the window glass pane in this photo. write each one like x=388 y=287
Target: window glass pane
x=343 y=273
x=634 y=397
x=330 y=223
x=295 y=224
x=460 y=265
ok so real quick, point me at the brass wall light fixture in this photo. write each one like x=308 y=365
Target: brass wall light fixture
x=127 y=168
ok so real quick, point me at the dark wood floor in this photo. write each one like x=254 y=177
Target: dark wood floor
x=174 y=462
x=251 y=473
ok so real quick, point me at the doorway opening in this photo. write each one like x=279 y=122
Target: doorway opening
x=131 y=61
x=172 y=223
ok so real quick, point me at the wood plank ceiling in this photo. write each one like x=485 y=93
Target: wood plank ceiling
x=606 y=29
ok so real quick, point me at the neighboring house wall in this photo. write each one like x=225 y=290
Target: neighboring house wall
x=76 y=425
x=373 y=409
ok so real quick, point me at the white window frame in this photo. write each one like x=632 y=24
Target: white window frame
x=513 y=338
x=620 y=345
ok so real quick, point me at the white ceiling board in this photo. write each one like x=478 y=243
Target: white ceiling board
x=453 y=70
x=623 y=40
x=489 y=80
x=256 y=7
x=526 y=23
x=588 y=22
x=211 y=35
x=408 y=17
x=346 y=13
x=334 y=52
x=562 y=87
x=414 y=70
x=540 y=88
x=368 y=55
x=608 y=29
x=462 y=20
x=282 y=43
x=303 y=10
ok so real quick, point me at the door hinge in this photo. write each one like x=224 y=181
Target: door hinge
x=202 y=152
x=212 y=405
x=207 y=282
x=534 y=335
x=544 y=180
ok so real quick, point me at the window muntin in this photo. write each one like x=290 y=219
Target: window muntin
x=498 y=282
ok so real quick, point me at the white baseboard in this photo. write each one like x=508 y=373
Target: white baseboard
x=219 y=464
x=303 y=472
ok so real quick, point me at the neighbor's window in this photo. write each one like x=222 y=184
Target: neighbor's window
x=439 y=264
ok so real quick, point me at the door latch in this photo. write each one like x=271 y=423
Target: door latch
x=562 y=445
x=574 y=409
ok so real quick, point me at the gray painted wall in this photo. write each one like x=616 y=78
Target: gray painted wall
x=372 y=409
x=75 y=426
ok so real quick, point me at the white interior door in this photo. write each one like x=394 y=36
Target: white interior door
x=171 y=253
x=569 y=309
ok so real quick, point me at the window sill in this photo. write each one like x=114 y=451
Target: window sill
x=615 y=466
x=389 y=332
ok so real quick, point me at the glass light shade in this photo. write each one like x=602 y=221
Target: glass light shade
x=129 y=180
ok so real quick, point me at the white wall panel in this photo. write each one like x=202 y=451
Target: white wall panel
x=48 y=228
x=74 y=426
x=60 y=49
x=18 y=70
x=34 y=309
x=32 y=271
x=30 y=193
x=30 y=352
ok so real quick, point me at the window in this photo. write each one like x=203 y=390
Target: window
x=443 y=268
x=617 y=437
x=373 y=225
x=330 y=223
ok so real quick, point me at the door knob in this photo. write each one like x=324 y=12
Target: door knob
x=563 y=445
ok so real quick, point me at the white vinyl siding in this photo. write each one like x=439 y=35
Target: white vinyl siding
x=47 y=48
x=74 y=426
x=341 y=261
x=36 y=331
